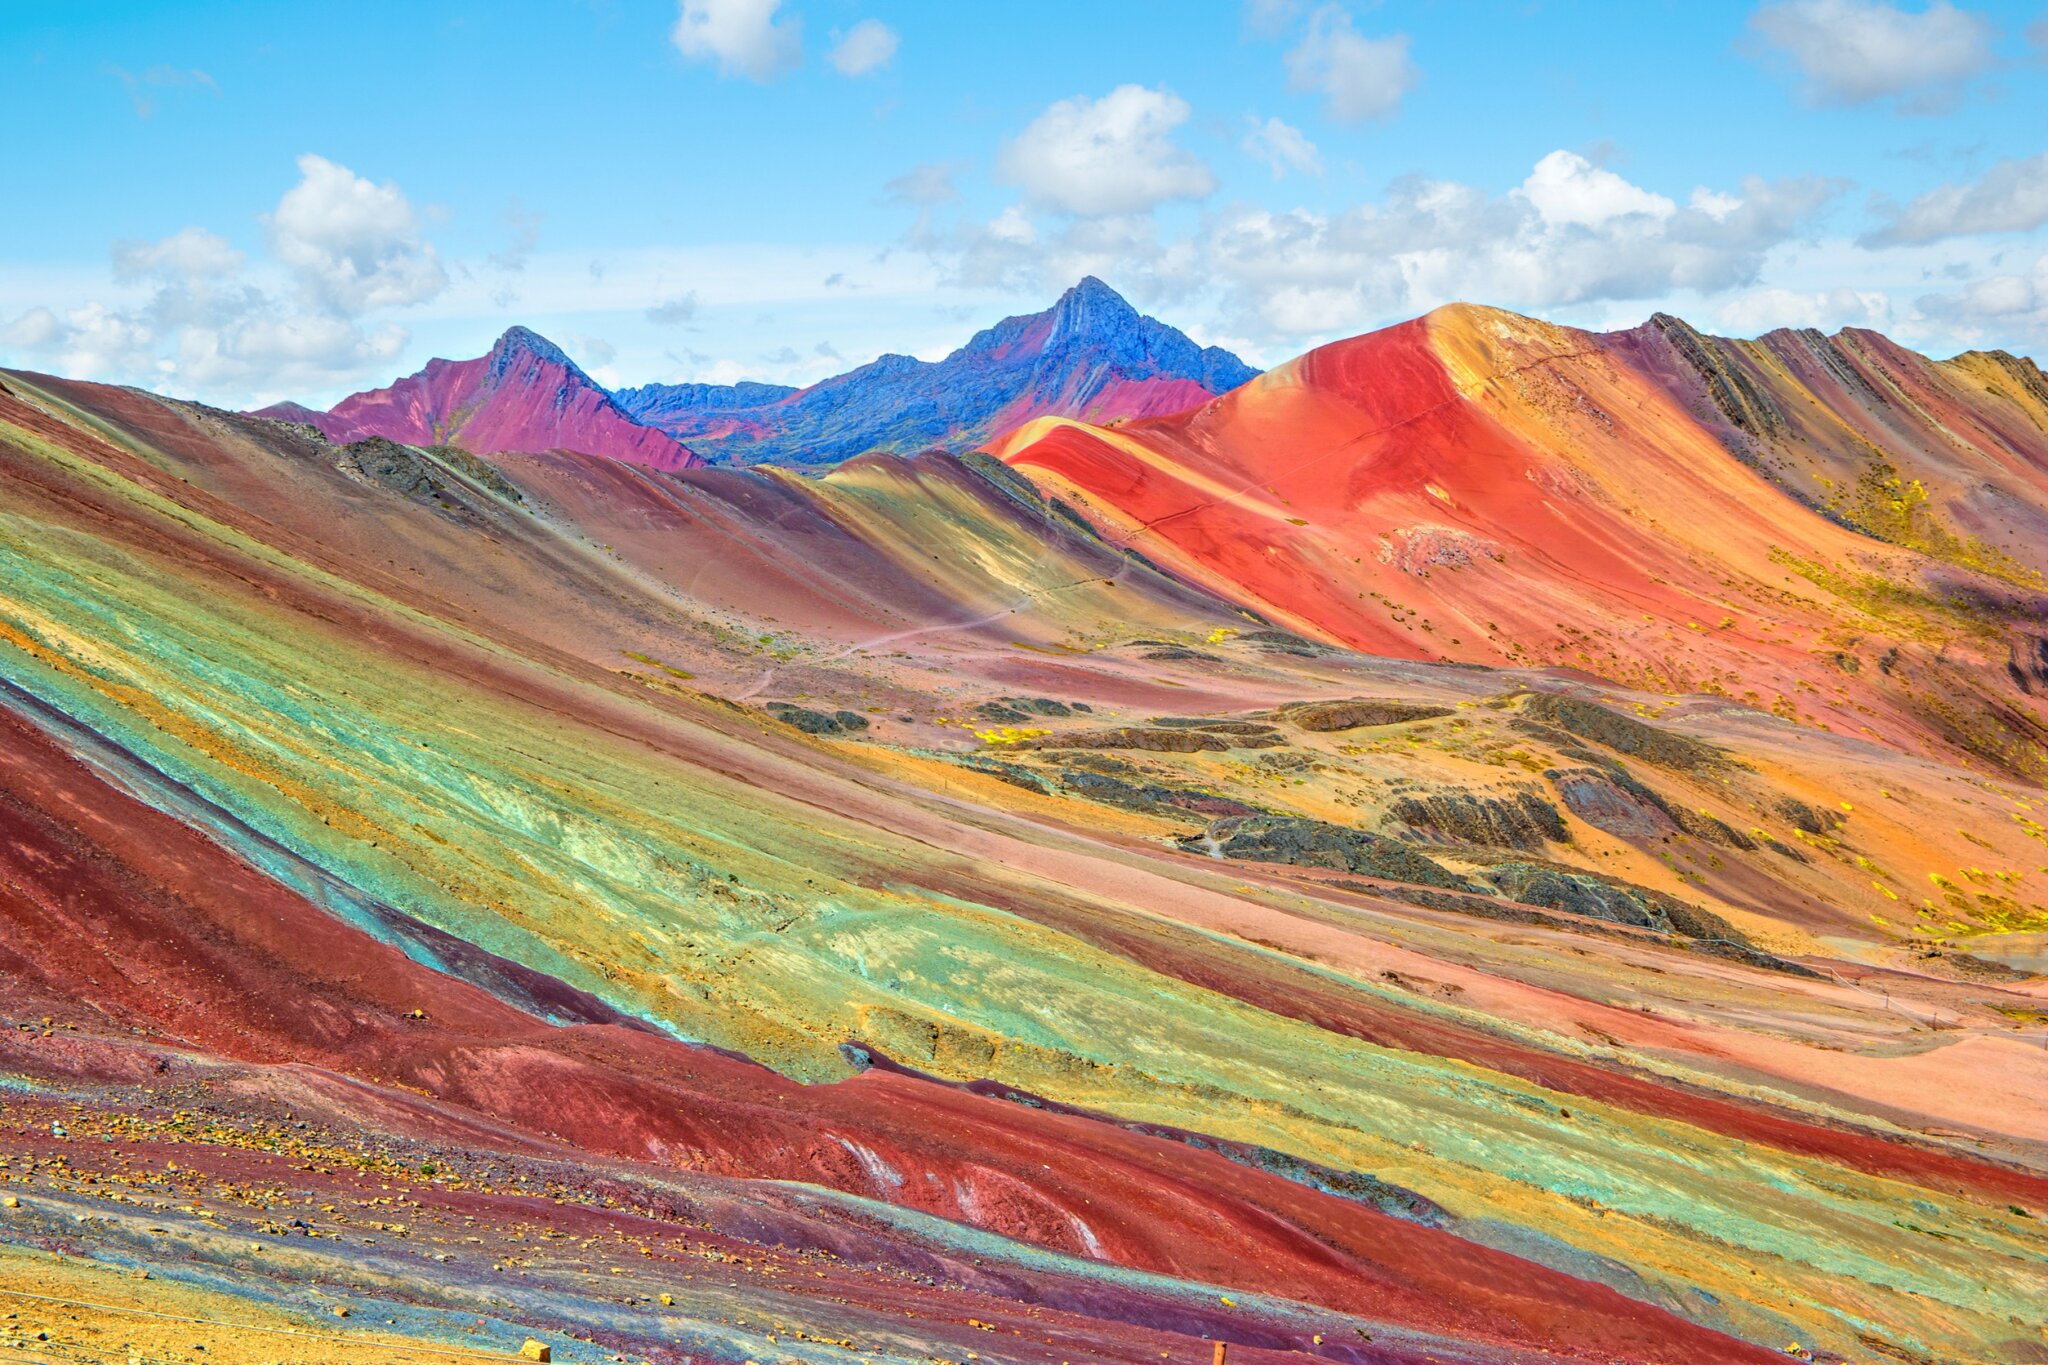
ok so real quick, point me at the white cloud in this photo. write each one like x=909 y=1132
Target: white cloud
x=2008 y=308
x=743 y=36
x=142 y=89
x=1571 y=236
x=1112 y=155
x=352 y=245
x=1862 y=51
x=192 y=253
x=1282 y=147
x=677 y=310
x=2010 y=197
x=1763 y=310
x=868 y=46
x=924 y=186
x=1269 y=18
x=1362 y=78
x=1567 y=188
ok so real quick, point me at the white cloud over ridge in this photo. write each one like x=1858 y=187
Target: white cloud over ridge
x=1571 y=234
x=2010 y=197
x=2008 y=306
x=342 y=249
x=1109 y=155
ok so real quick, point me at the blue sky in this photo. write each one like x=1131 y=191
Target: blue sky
x=241 y=202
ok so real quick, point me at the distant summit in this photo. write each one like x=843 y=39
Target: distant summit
x=526 y=395
x=1091 y=355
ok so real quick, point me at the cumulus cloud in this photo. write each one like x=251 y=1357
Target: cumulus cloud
x=1863 y=51
x=353 y=245
x=1112 y=155
x=2010 y=197
x=2006 y=306
x=1361 y=78
x=89 y=340
x=1567 y=188
x=742 y=36
x=340 y=250
x=1282 y=147
x=868 y=46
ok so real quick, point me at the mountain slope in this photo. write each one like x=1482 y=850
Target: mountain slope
x=524 y=395
x=1481 y=487
x=678 y=879
x=1090 y=355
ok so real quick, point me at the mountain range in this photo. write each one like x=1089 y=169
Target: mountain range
x=1383 y=864
x=1091 y=355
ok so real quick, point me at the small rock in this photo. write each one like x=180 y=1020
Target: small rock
x=536 y=1350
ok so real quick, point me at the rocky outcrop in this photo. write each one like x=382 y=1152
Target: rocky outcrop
x=1301 y=842
x=1747 y=407
x=817 y=722
x=1019 y=710
x=1523 y=820
x=1623 y=734
x=1616 y=902
x=1157 y=738
x=1356 y=713
x=1150 y=798
x=1602 y=800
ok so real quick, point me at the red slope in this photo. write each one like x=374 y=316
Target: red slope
x=1487 y=488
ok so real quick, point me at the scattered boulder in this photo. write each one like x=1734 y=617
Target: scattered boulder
x=1302 y=842
x=536 y=1350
